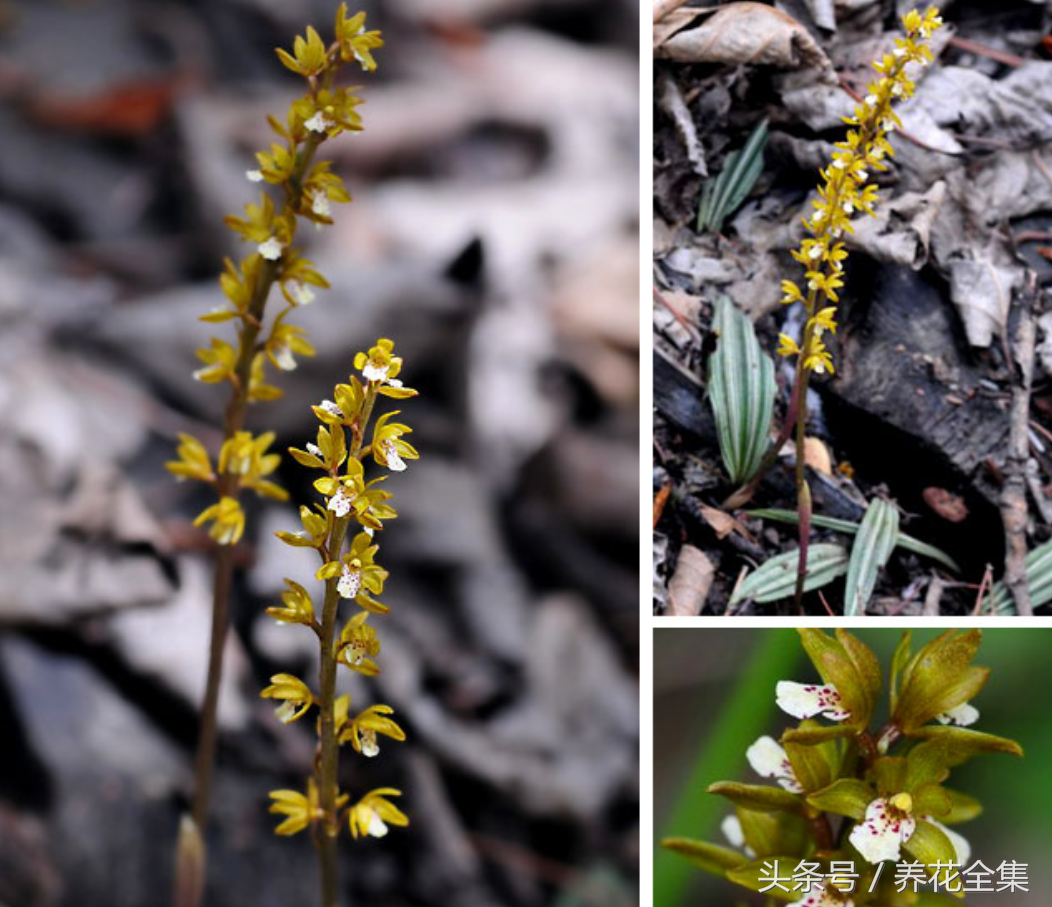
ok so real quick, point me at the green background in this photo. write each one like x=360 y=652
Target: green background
x=714 y=695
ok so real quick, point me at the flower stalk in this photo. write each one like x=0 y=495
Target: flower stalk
x=301 y=190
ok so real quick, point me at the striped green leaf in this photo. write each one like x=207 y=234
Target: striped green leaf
x=1038 y=580
x=742 y=391
x=907 y=542
x=873 y=546
x=721 y=196
x=776 y=578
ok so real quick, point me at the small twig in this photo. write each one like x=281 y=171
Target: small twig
x=1000 y=144
x=984 y=586
x=741 y=578
x=1032 y=236
x=1040 y=429
x=973 y=47
x=1040 y=164
x=687 y=326
x=526 y=861
x=1013 y=502
x=825 y=604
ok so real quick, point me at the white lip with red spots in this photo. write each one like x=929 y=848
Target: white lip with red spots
x=881 y=834
x=340 y=503
x=802 y=700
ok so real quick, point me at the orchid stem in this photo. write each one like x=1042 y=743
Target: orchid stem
x=328 y=745
x=803 y=490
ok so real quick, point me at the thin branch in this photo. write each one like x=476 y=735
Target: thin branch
x=1013 y=502
x=982 y=50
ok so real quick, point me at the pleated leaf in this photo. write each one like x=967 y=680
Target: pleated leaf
x=776 y=578
x=721 y=196
x=1038 y=579
x=906 y=542
x=873 y=546
x=742 y=391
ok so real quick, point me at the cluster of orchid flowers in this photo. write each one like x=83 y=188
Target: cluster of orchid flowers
x=348 y=502
x=845 y=794
x=889 y=820
x=307 y=189
x=845 y=191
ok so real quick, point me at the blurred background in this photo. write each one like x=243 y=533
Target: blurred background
x=714 y=695
x=494 y=236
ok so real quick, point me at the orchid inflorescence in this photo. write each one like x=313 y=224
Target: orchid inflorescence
x=305 y=191
x=849 y=796
x=845 y=190
x=296 y=188
x=342 y=529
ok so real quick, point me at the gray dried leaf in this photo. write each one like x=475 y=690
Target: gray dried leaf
x=901 y=231
x=823 y=12
x=982 y=290
x=1015 y=109
x=672 y=102
x=748 y=33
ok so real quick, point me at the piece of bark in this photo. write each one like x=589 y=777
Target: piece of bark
x=909 y=408
x=901 y=358
x=690 y=585
x=680 y=398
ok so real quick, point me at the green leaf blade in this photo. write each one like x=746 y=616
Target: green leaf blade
x=907 y=542
x=873 y=545
x=722 y=195
x=775 y=579
x=741 y=391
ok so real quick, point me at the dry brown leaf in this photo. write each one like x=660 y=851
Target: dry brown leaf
x=125 y=109
x=946 y=504
x=816 y=455
x=722 y=523
x=690 y=584
x=746 y=33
